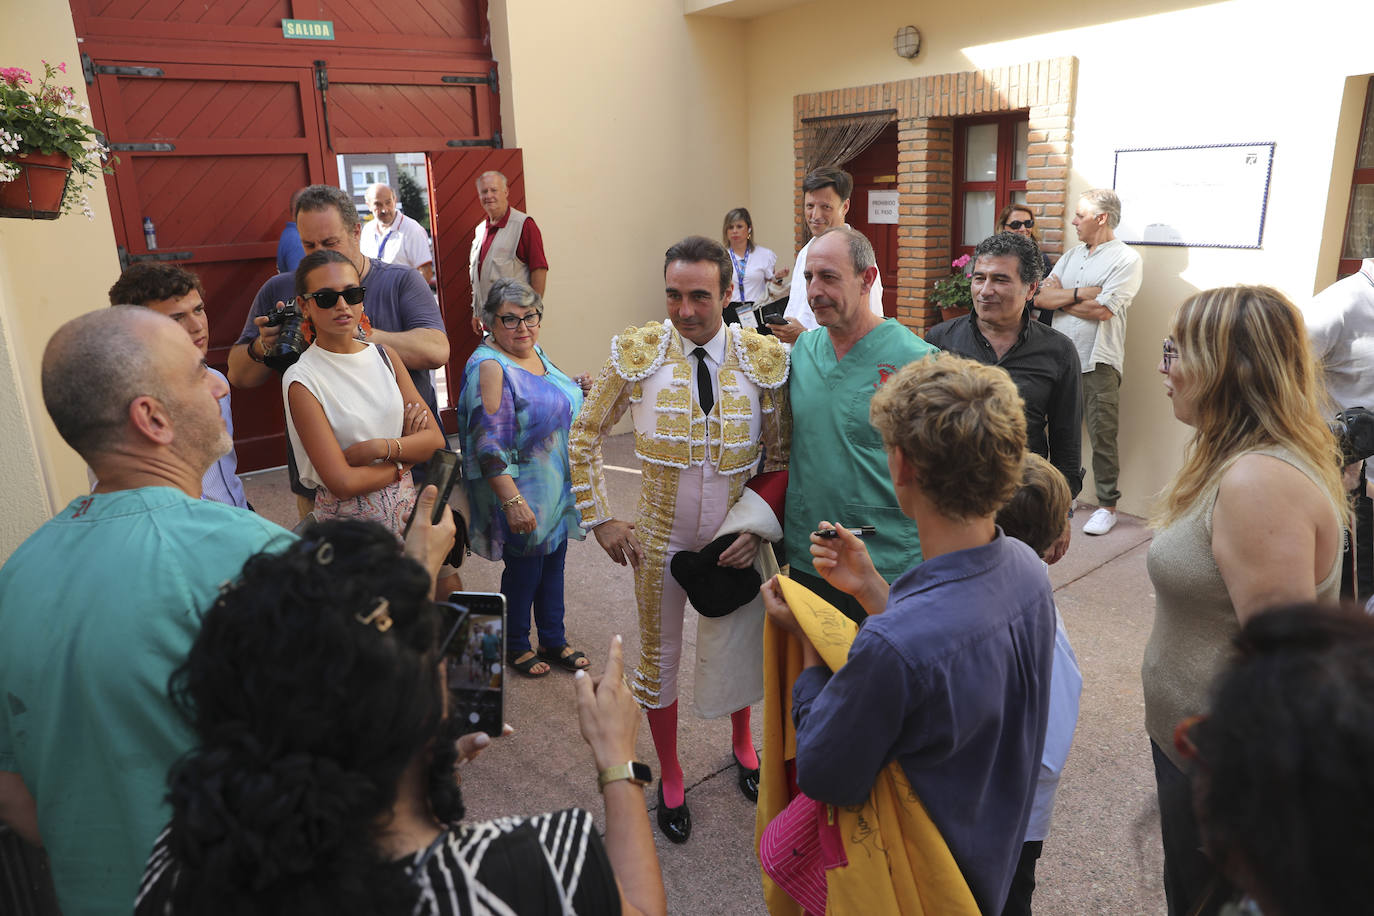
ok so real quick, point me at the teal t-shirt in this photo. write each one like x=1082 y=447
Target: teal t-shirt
x=97 y=608
x=838 y=469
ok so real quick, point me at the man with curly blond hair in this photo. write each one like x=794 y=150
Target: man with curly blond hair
x=950 y=675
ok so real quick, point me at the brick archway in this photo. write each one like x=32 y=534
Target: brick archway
x=926 y=112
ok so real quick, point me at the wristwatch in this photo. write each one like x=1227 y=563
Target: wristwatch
x=636 y=772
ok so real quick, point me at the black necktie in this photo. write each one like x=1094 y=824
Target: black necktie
x=705 y=396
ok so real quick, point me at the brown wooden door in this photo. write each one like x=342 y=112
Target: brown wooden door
x=456 y=214
x=875 y=169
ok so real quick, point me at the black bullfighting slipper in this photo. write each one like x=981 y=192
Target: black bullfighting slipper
x=675 y=823
x=748 y=781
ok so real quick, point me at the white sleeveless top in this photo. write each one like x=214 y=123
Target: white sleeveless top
x=358 y=392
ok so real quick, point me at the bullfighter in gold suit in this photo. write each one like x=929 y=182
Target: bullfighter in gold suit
x=707 y=400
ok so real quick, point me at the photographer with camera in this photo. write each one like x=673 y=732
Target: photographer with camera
x=399 y=304
x=1340 y=324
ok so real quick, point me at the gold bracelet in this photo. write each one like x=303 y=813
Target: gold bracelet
x=398 y=448
x=515 y=500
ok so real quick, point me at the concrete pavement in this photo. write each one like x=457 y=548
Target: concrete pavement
x=1103 y=854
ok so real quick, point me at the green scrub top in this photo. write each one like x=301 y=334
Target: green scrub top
x=838 y=470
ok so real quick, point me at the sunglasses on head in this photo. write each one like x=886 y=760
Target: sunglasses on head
x=1019 y=223
x=328 y=298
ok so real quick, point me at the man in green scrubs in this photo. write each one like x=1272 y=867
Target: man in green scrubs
x=838 y=471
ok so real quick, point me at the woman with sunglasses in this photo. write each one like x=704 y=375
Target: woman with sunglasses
x=1019 y=219
x=324 y=781
x=1253 y=519
x=356 y=422
x=514 y=413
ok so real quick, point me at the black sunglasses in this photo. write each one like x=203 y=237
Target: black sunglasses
x=1019 y=223
x=328 y=298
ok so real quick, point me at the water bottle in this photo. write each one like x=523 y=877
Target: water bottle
x=149 y=233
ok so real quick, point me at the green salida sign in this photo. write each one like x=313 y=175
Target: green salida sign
x=314 y=29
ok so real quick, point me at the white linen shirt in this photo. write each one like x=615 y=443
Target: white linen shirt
x=1116 y=267
x=1340 y=324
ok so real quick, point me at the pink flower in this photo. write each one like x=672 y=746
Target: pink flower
x=960 y=261
x=14 y=76
x=62 y=66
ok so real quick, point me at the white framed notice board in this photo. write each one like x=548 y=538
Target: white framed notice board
x=1211 y=196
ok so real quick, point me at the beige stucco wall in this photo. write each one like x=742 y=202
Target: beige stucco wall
x=633 y=126
x=50 y=271
x=1150 y=74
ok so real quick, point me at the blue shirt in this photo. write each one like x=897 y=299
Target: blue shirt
x=97 y=608
x=952 y=680
x=289 y=249
x=221 y=482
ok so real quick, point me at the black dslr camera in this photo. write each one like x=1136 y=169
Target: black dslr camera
x=1354 y=429
x=290 y=342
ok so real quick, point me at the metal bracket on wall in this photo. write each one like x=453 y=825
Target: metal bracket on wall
x=494 y=142
x=90 y=70
x=322 y=84
x=125 y=258
x=143 y=147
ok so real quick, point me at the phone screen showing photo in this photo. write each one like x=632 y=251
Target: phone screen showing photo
x=474 y=663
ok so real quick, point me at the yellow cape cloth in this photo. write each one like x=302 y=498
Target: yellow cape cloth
x=898 y=862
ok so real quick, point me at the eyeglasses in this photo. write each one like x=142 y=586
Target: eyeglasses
x=1019 y=223
x=1170 y=354
x=328 y=298
x=453 y=617
x=511 y=322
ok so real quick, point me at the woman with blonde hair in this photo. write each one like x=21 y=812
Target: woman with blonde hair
x=1252 y=520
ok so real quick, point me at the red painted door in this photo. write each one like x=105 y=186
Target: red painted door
x=217 y=118
x=875 y=169
x=211 y=156
x=457 y=212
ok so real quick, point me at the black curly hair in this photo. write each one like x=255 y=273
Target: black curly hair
x=306 y=718
x=1284 y=773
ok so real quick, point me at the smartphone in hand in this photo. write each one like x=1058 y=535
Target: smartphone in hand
x=444 y=471
x=474 y=662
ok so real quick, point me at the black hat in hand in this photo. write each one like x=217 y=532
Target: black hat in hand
x=714 y=590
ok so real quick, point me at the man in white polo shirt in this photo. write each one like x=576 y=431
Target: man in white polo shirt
x=825 y=197
x=1089 y=291
x=393 y=237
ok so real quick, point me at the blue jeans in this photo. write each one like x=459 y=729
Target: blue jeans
x=534 y=582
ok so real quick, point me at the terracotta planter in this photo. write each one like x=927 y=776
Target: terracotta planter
x=37 y=192
x=952 y=311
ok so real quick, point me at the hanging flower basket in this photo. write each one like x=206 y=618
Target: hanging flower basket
x=51 y=157
x=38 y=190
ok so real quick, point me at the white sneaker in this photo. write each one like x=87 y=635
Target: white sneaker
x=1103 y=520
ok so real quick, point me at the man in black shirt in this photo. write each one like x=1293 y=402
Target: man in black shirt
x=1041 y=361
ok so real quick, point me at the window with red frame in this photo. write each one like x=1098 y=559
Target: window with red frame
x=1359 y=223
x=989 y=173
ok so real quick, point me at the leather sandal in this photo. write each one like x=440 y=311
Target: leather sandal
x=568 y=662
x=526 y=667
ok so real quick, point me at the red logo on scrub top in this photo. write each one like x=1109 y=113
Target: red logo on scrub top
x=885 y=372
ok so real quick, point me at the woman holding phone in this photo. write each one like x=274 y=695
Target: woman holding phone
x=514 y=414
x=345 y=800
x=356 y=422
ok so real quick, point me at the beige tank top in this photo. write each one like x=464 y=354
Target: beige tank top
x=1195 y=621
